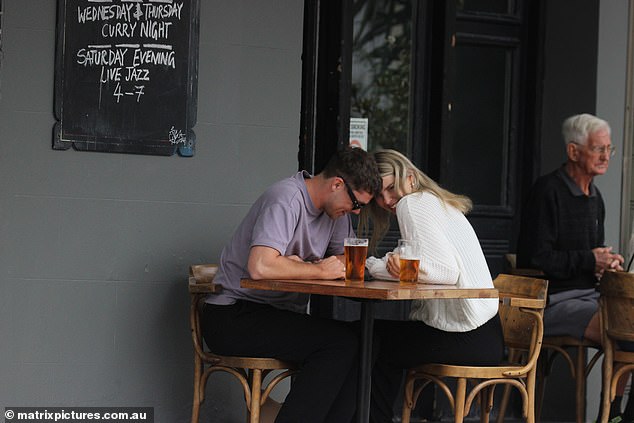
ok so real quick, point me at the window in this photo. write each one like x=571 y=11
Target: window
x=381 y=69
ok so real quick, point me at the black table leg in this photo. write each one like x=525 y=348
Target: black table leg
x=365 y=370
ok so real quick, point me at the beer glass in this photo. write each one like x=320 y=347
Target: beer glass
x=409 y=257
x=355 y=250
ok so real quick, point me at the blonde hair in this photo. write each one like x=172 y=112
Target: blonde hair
x=391 y=162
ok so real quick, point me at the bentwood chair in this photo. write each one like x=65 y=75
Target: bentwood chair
x=617 y=324
x=580 y=367
x=574 y=351
x=522 y=302
x=249 y=371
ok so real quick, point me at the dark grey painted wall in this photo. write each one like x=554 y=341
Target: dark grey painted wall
x=95 y=247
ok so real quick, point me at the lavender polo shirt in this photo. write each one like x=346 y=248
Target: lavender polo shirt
x=283 y=218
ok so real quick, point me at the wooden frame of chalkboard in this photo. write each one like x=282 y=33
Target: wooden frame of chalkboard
x=126 y=76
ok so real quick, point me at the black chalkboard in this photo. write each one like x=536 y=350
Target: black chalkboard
x=126 y=76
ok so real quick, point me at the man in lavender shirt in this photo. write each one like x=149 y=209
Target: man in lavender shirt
x=295 y=230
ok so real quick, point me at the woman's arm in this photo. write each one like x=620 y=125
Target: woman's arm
x=377 y=268
x=423 y=217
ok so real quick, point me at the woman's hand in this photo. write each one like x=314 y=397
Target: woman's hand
x=393 y=264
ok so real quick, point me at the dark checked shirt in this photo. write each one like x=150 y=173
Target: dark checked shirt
x=560 y=226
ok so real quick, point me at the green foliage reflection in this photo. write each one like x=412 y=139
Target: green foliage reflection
x=382 y=47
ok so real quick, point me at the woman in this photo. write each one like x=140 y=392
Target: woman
x=456 y=331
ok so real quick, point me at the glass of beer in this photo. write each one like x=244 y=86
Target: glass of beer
x=355 y=250
x=409 y=258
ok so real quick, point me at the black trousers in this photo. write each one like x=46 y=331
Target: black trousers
x=405 y=344
x=325 y=388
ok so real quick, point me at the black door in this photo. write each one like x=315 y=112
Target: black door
x=486 y=113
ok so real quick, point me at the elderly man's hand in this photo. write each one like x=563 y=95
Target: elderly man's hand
x=605 y=259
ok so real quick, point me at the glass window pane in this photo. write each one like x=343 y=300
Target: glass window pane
x=479 y=113
x=381 y=66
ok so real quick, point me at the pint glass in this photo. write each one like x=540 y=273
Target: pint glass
x=355 y=250
x=409 y=253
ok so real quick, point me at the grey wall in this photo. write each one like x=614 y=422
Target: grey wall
x=611 y=87
x=94 y=247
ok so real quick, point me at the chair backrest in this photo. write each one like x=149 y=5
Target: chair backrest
x=522 y=302
x=511 y=261
x=201 y=277
x=617 y=305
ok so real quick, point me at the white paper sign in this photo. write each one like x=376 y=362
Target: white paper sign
x=359 y=132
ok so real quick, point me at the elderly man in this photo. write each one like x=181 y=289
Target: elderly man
x=295 y=230
x=562 y=230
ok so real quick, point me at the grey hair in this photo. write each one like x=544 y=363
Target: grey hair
x=576 y=129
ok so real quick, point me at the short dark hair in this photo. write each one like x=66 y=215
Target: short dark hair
x=357 y=167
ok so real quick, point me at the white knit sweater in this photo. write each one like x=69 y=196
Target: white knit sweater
x=451 y=254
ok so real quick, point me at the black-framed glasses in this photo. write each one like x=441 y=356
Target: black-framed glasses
x=610 y=150
x=356 y=205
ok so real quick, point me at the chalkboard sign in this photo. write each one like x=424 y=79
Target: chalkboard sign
x=126 y=76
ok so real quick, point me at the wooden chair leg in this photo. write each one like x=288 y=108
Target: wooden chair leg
x=506 y=396
x=530 y=390
x=514 y=356
x=197 y=400
x=580 y=384
x=486 y=404
x=461 y=393
x=605 y=394
x=408 y=400
x=256 y=392
x=542 y=371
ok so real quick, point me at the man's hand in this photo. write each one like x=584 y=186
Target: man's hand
x=605 y=259
x=332 y=268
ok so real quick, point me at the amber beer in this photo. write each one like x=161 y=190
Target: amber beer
x=409 y=260
x=355 y=250
x=409 y=270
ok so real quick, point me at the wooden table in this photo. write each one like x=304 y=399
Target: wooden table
x=367 y=292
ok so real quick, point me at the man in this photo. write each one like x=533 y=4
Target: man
x=562 y=230
x=295 y=230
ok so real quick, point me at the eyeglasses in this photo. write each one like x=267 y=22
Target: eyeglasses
x=606 y=149
x=355 y=203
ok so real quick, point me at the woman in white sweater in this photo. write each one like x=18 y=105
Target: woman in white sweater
x=457 y=331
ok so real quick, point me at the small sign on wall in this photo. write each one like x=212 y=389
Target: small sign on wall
x=359 y=132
